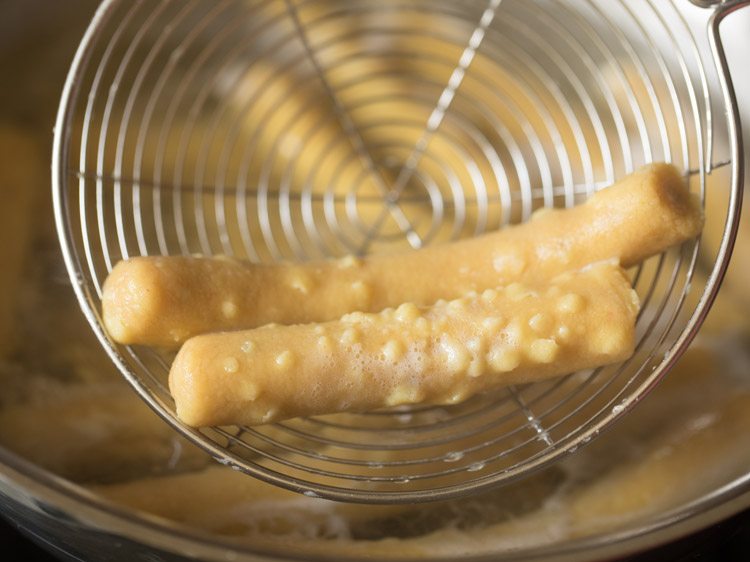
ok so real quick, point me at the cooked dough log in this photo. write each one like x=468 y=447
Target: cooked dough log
x=439 y=355
x=165 y=300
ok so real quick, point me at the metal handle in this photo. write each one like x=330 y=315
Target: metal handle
x=722 y=10
x=720 y=4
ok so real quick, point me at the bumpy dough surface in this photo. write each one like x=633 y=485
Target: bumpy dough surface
x=438 y=355
x=164 y=301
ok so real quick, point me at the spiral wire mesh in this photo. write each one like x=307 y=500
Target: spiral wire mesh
x=307 y=129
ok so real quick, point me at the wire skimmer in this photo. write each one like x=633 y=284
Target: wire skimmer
x=306 y=129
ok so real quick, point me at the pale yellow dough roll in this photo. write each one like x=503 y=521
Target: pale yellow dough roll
x=438 y=355
x=165 y=300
